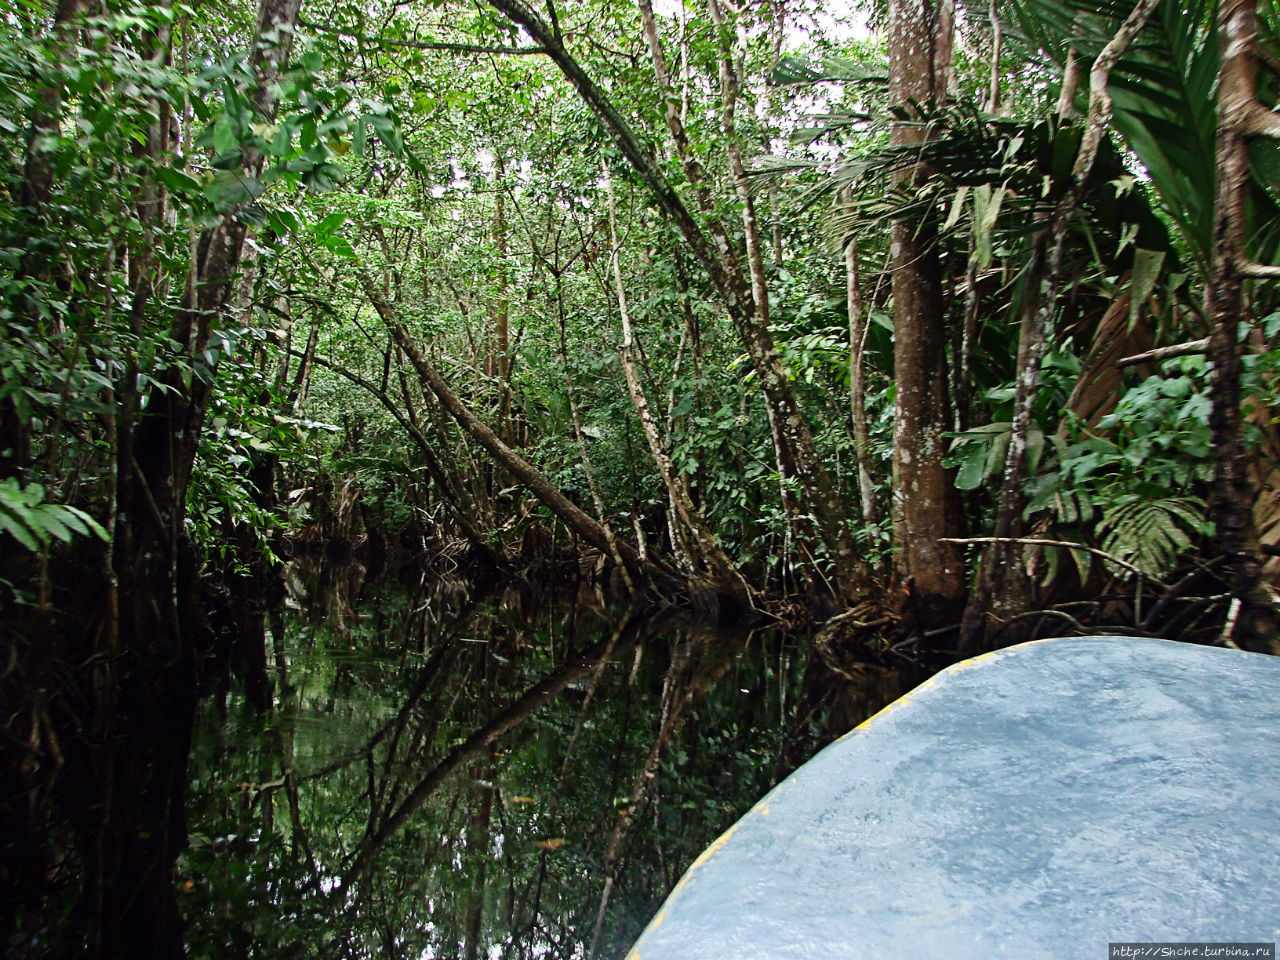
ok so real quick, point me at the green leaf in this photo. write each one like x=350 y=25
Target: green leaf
x=986 y=210
x=51 y=520
x=283 y=222
x=339 y=246
x=329 y=224
x=281 y=143
x=177 y=181
x=225 y=135
x=230 y=188
x=1146 y=271
x=18 y=531
x=972 y=469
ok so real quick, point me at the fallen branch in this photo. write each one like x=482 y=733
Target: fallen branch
x=1259 y=271
x=1187 y=349
x=1060 y=614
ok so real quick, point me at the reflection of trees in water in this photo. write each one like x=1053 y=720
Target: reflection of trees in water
x=449 y=774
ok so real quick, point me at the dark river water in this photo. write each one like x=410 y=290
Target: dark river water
x=507 y=775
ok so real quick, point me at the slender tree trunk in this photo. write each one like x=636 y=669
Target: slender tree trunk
x=1066 y=107
x=302 y=380
x=690 y=534
x=1000 y=568
x=926 y=506
x=857 y=383
x=1251 y=622
x=583 y=455
x=797 y=456
x=997 y=43
x=573 y=517
x=724 y=270
x=501 y=363
x=37 y=179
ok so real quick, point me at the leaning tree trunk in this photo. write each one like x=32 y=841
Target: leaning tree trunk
x=573 y=516
x=926 y=506
x=694 y=542
x=796 y=449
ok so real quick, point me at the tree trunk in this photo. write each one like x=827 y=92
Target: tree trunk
x=857 y=384
x=573 y=517
x=718 y=258
x=126 y=774
x=690 y=535
x=500 y=364
x=1000 y=572
x=584 y=456
x=1251 y=623
x=926 y=506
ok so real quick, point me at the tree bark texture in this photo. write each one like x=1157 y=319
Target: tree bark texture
x=926 y=506
x=1252 y=621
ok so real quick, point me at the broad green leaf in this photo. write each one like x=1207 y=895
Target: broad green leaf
x=329 y=224
x=1146 y=271
x=19 y=531
x=225 y=135
x=50 y=520
x=972 y=468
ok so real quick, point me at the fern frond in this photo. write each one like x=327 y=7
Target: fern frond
x=1150 y=534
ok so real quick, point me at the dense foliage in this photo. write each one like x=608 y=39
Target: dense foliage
x=744 y=308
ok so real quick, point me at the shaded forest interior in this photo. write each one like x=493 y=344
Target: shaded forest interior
x=922 y=332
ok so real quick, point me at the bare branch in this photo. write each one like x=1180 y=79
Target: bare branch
x=1263 y=122
x=1187 y=349
x=1259 y=271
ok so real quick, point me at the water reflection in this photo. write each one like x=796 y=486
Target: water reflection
x=453 y=774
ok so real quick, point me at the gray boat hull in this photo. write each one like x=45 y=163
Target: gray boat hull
x=1039 y=802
